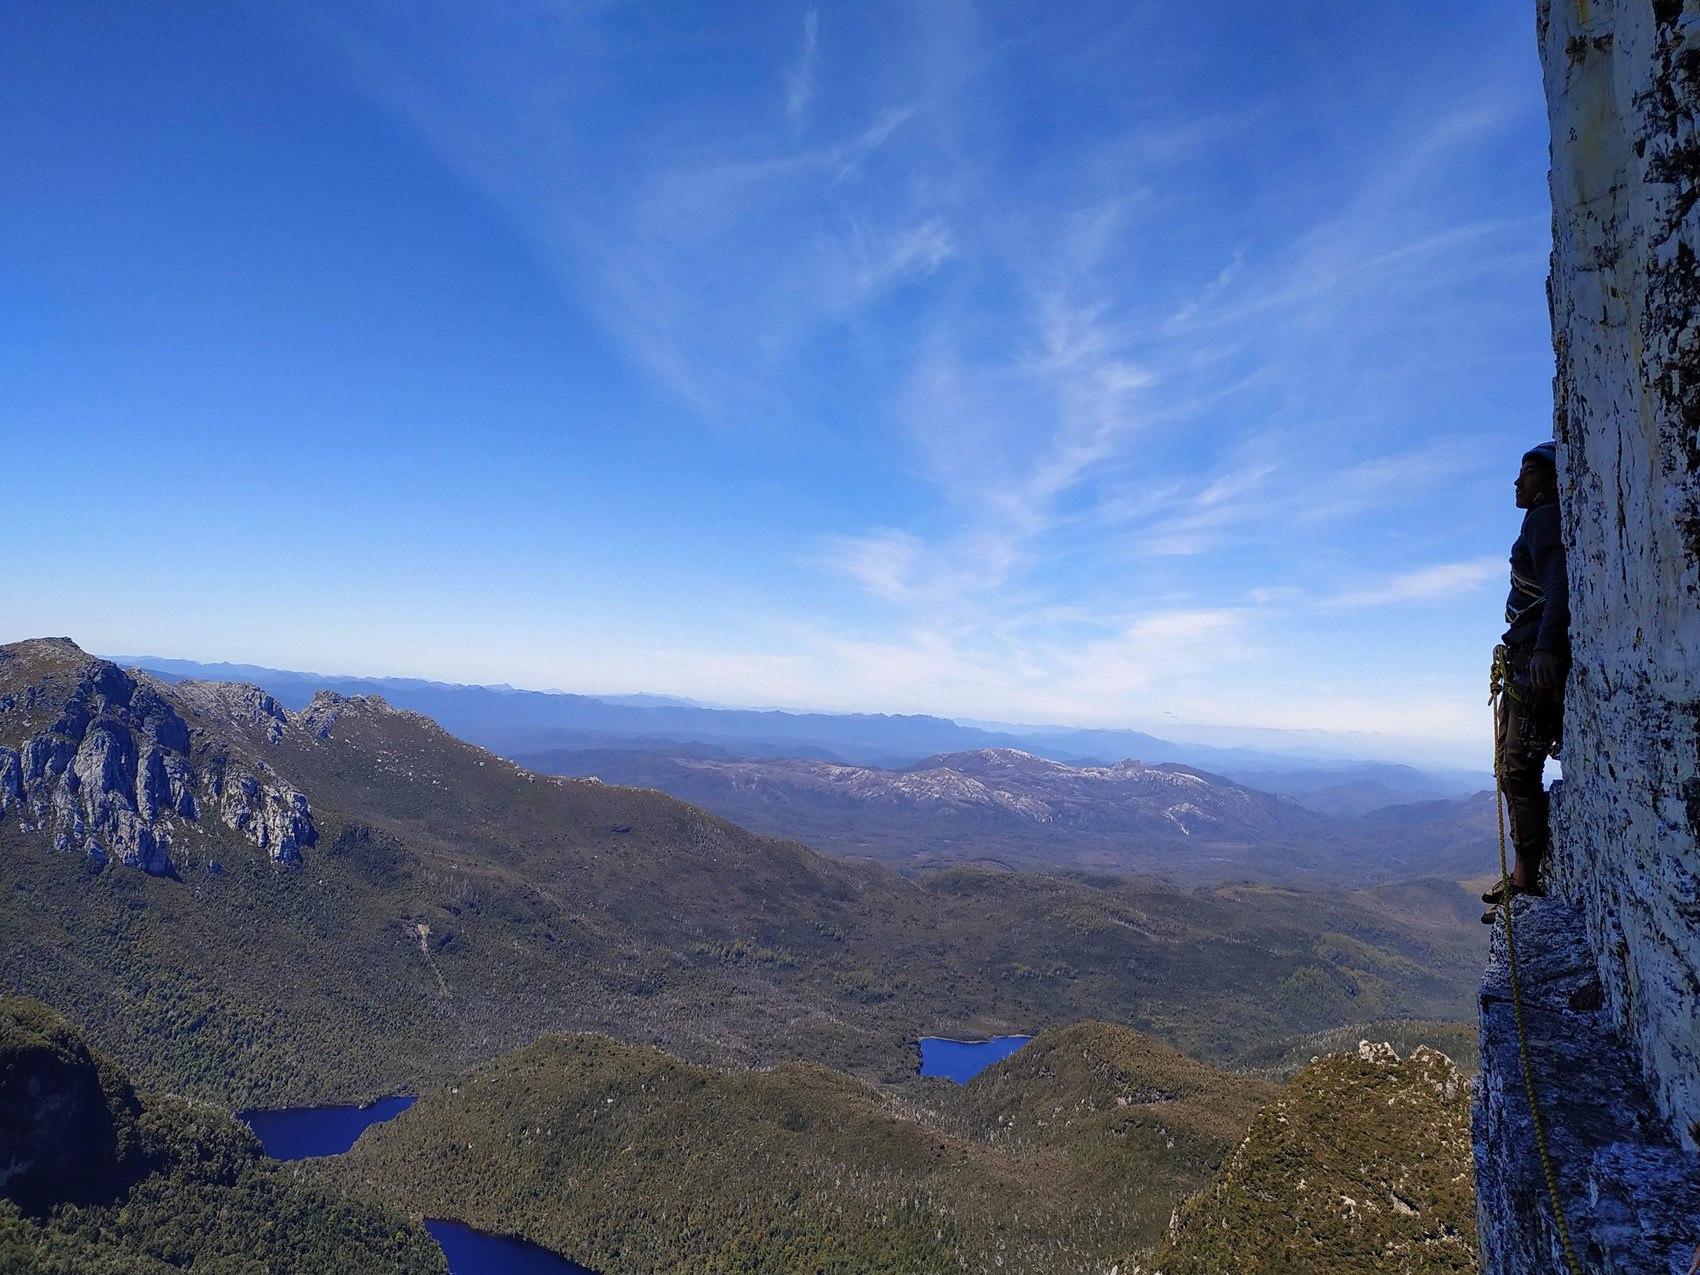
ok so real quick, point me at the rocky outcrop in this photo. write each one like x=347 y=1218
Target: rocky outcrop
x=1623 y=87
x=1610 y=964
x=109 y=763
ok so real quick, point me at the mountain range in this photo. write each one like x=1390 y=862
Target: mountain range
x=707 y=1034
x=513 y=722
x=1007 y=808
x=256 y=906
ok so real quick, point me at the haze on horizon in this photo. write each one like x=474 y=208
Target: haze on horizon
x=1127 y=366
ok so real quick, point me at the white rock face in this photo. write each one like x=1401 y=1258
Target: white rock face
x=110 y=764
x=1623 y=82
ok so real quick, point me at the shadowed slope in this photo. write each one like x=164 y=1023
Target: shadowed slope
x=96 y=1179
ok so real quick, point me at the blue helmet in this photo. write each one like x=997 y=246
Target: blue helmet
x=1547 y=452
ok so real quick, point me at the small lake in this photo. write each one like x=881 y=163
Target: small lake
x=294 y=1133
x=471 y=1252
x=962 y=1060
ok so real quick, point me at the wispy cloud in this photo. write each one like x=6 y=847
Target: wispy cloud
x=800 y=84
x=1443 y=580
x=1191 y=341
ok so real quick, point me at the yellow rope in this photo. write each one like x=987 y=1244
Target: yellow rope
x=1496 y=692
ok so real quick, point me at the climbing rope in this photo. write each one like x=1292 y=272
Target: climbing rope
x=1497 y=690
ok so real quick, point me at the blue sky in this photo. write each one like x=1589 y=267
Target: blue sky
x=1097 y=363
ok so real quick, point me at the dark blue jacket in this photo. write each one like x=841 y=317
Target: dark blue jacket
x=1538 y=609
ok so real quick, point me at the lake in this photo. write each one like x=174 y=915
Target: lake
x=294 y=1133
x=471 y=1252
x=962 y=1060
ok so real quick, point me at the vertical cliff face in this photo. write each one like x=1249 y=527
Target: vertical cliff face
x=1623 y=82
x=1609 y=964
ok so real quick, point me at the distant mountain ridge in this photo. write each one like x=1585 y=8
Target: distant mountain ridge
x=1011 y=809
x=511 y=722
x=987 y=790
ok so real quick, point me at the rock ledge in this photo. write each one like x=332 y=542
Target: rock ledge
x=1631 y=1195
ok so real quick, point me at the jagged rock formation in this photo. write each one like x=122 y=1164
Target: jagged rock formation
x=110 y=761
x=1615 y=1027
x=1363 y=1164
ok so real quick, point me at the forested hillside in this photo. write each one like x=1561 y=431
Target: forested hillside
x=631 y=1161
x=99 y=1179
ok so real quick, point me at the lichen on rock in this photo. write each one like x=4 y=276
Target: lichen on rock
x=1623 y=90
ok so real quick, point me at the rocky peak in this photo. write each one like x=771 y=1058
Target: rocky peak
x=984 y=763
x=109 y=764
x=235 y=704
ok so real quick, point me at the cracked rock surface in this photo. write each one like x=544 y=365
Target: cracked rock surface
x=1631 y=1195
x=1623 y=90
x=113 y=765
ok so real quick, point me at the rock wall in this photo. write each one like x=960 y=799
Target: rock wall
x=1623 y=81
x=108 y=762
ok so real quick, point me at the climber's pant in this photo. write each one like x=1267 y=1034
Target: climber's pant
x=1520 y=769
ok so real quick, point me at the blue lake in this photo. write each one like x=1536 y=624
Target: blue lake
x=294 y=1133
x=473 y=1253
x=962 y=1060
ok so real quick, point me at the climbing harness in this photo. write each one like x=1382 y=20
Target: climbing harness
x=1531 y=589
x=1498 y=688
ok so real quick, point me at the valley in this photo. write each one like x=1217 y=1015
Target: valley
x=1057 y=1159
x=255 y=907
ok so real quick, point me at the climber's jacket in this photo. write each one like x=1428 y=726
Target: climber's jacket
x=1538 y=608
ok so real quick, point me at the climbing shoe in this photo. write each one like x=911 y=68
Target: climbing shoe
x=1494 y=895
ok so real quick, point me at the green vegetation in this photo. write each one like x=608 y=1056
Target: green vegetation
x=629 y=1160
x=102 y=1180
x=1362 y=1165
x=455 y=906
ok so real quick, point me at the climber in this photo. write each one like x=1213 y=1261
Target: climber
x=1530 y=726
